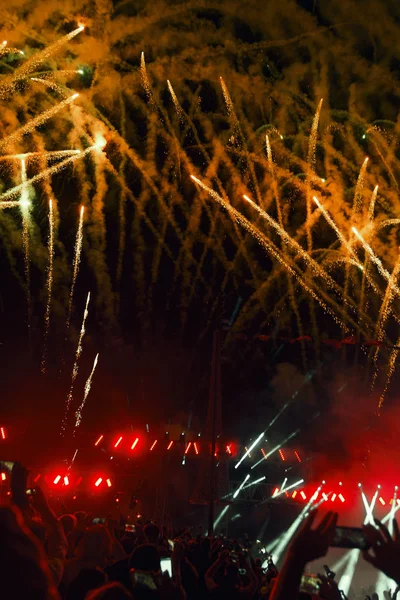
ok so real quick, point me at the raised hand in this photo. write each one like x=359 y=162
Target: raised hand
x=310 y=544
x=385 y=554
x=328 y=589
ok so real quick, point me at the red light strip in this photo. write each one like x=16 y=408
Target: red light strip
x=66 y=480
x=297 y=456
x=228 y=449
x=170 y=445
x=302 y=494
x=263 y=453
x=341 y=498
x=109 y=482
x=3 y=433
x=188 y=447
x=98 y=482
x=195 y=448
x=281 y=455
x=153 y=444
x=134 y=444
x=57 y=479
x=99 y=440
x=118 y=442
x=37 y=478
x=381 y=500
x=3 y=476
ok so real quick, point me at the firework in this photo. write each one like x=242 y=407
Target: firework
x=88 y=385
x=76 y=263
x=49 y=284
x=75 y=367
x=25 y=206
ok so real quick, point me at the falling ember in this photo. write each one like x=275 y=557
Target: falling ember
x=231 y=110
x=49 y=285
x=376 y=261
x=371 y=209
x=76 y=263
x=358 y=194
x=88 y=385
x=145 y=79
x=75 y=367
x=175 y=100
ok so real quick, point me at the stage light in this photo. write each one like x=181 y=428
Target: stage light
x=254 y=482
x=57 y=479
x=108 y=481
x=275 y=492
x=379 y=487
x=99 y=440
x=134 y=444
x=195 y=448
x=289 y=437
x=290 y=487
x=325 y=497
x=3 y=476
x=253 y=445
x=396 y=488
x=170 y=445
x=153 y=445
x=282 y=455
x=3 y=433
x=98 y=482
x=294 y=494
x=78 y=481
x=263 y=453
x=323 y=482
x=188 y=447
x=73 y=497
x=236 y=494
x=66 y=480
x=341 y=498
x=118 y=442
x=360 y=485
x=228 y=449
x=297 y=456
x=381 y=500
x=302 y=494
x=247 y=453
x=221 y=516
x=340 y=483
x=347 y=577
x=38 y=476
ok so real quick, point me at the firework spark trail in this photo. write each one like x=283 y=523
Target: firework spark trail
x=49 y=286
x=145 y=79
x=9 y=204
x=75 y=368
x=376 y=261
x=231 y=111
x=53 y=85
x=358 y=193
x=76 y=263
x=371 y=208
x=88 y=385
x=387 y=223
x=39 y=155
x=266 y=244
x=371 y=211
x=47 y=172
x=317 y=269
x=33 y=63
x=122 y=201
x=25 y=212
x=392 y=365
x=178 y=108
x=34 y=123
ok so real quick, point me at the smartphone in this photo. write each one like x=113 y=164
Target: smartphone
x=99 y=521
x=310 y=584
x=350 y=537
x=130 y=528
x=166 y=565
x=143 y=579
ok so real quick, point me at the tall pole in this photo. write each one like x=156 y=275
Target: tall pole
x=215 y=407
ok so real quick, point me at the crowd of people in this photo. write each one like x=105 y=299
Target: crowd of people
x=70 y=557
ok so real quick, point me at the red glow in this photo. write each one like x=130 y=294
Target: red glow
x=99 y=440
x=341 y=498
x=57 y=479
x=3 y=476
x=134 y=444
x=3 y=433
x=38 y=476
x=66 y=480
x=170 y=445
x=333 y=497
x=325 y=497
x=195 y=448
x=116 y=499
x=297 y=456
x=118 y=442
x=294 y=494
x=228 y=449
x=282 y=455
x=188 y=447
x=263 y=453
x=302 y=494
x=98 y=482
x=108 y=481
x=276 y=490
x=381 y=500
x=79 y=480
x=153 y=444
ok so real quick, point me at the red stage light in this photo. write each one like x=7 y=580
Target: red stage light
x=3 y=433
x=108 y=481
x=195 y=448
x=134 y=444
x=294 y=494
x=98 y=482
x=325 y=497
x=263 y=453
x=188 y=447
x=153 y=444
x=38 y=476
x=381 y=500
x=302 y=494
x=66 y=480
x=341 y=498
x=118 y=442
x=3 y=476
x=99 y=440
x=78 y=480
x=57 y=479
x=276 y=490
x=297 y=456
x=333 y=497
x=228 y=449
x=282 y=455
x=170 y=445
x=73 y=497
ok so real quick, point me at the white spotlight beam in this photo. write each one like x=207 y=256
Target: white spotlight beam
x=247 y=453
x=236 y=494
